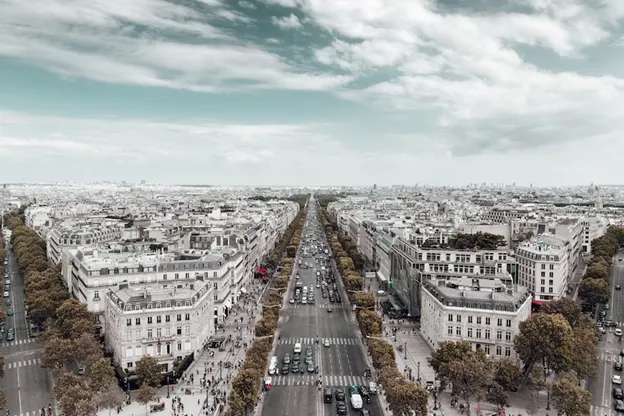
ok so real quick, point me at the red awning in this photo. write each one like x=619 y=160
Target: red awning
x=537 y=302
x=261 y=270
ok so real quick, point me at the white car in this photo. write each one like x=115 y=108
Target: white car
x=291 y=301
x=618 y=332
x=616 y=379
x=6 y=294
x=326 y=343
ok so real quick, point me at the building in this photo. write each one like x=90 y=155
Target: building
x=165 y=320
x=74 y=233
x=543 y=267
x=486 y=312
x=593 y=227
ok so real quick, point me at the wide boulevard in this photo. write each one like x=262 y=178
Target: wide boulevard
x=341 y=364
x=27 y=386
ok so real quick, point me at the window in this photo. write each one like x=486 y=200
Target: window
x=470 y=319
x=508 y=336
x=177 y=276
x=187 y=330
x=487 y=349
x=478 y=320
x=179 y=346
x=469 y=332
x=149 y=319
x=158 y=319
x=129 y=336
x=552 y=267
x=499 y=322
x=450 y=331
x=450 y=317
x=179 y=317
x=487 y=334
x=187 y=316
x=186 y=275
x=498 y=350
x=508 y=323
x=158 y=332
x=165 y=276
x=187 y=345
x=478 y=332
x=167 y=318
x=129 y=322
x=167 y=331
x=487 y=321
x=543 y=266
x=129 y=352
x=150 y=334
x=96 y=295
x=137 y=334
x=179 y=330
x=458 y=331
x=137 y=321
x=499 y=335
x=507 y=352
x=458 y=318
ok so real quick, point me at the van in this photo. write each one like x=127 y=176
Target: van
x=273 y=366
x=327 y=395
x=298 y=348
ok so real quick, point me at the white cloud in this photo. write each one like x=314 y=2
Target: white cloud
x=283 y=3
x=96 y=39
x=488 y=96
x=287 y=22
x=247 y=5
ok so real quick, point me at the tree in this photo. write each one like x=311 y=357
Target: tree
x=246 y=383
x=564 y=306
x=370 y=322
x=497 y=395
x=594 y=291
x=532 y=405
x=57 y=353
x=507 y=374
x=149 y=371
x=546 y=339
x=364 y=300
x=1 y=368
x=469 y=376
x=446 y=353
x=3 y=400
x=101 y=375
x=146 y=394
x=584 y=349
x=73 y=319
x=597 y=269
x=540 y=381
x=407 y=398
x=569 y=398
x=74 y=397
x=110 y=398
x=87 y=349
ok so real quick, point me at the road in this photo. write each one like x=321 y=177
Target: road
x=342 y=364
x=609 y=348
x=28 y=387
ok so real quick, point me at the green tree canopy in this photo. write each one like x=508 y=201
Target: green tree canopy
x=569 y=398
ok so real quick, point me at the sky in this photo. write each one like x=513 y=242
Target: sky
x=312 y=92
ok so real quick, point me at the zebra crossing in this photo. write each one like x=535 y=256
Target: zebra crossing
x=332 y=341
x=595 y=410
x=328 y=381
x=18 y=342
x=609 y=357
x=24 y=363
x=320 y=305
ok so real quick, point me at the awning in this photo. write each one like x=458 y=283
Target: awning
x=381 y=276
x=537 y=302
x=227 y=303
x=243 y=290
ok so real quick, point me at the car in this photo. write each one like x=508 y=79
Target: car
x=311 y=368
x=6 y=294
x=10 y=336
x=341 y=408
x=606 y=306
x=295 y=358
x=318 y=286
x=617 y=366
x=309 y=360
x=8 y=302
x=618 y=332
x=291 y=301
x=363 y=391
x=294 y=368
x=10 y=312
x=340 y=395
x=364 y=412
x=616 y=379
x=285 y=369
x=610 y=324
x=286 y=359
x=618 y=405
x=326 y=342
x=353 y=390
x=617 y=393
x=309 y=352
x=618 y=287
x=329 y=310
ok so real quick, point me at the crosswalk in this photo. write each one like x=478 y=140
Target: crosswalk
x=610 y=358
x=17 y=342
x=310 y=380
x=320 y=305
x=24 y=363
x=332 y=341
x=602 y=411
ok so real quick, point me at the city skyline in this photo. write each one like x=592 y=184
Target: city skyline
x=308 y=92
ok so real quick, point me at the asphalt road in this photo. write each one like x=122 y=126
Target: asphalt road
x=28 y=387
x=609 y=349
x=342 y=364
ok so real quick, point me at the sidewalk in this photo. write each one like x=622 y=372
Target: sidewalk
x=518 y=404
x=240 y=325
x=192 y=407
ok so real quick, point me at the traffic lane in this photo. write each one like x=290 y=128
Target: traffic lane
x=606 y=381
x=37 y=386
x=278 y=401
x=618 y=295
x=9 y=384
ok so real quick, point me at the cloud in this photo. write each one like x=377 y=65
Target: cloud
x=287 y=22
x=101 y=40
x=247 y=5
x=283 y=3
x=467 y=69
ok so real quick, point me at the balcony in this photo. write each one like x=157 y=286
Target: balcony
x=155 y=340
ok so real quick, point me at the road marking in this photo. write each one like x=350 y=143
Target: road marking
x=24 y=363
x=18 y=342
x=311 y=341
x=310 y=380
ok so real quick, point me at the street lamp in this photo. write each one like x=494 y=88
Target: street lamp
x=405 y=350
x=168 y=388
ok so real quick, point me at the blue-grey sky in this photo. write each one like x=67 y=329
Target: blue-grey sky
x=312 y=92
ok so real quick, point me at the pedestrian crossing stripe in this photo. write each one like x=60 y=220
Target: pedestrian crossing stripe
x=25 y=363
x=310 y=380
x=18 y=342
x=595 y=410
x=320 y=305
x=610 y=358
x=332 y=341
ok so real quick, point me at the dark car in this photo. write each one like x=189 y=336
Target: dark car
x=285 y=369
x=617 y=366
x=341 y=408
x=294 y=368
x=340 y=395
x=365 y=412
x=363 y=391
x=618 y=405
x=617 y=393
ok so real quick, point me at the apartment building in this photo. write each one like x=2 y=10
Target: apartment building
x=485 y=312
x=543 y=267
x=73 y=233
x=504 y=214
x=91 y=272
x=165 y=320
x=593 y=227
